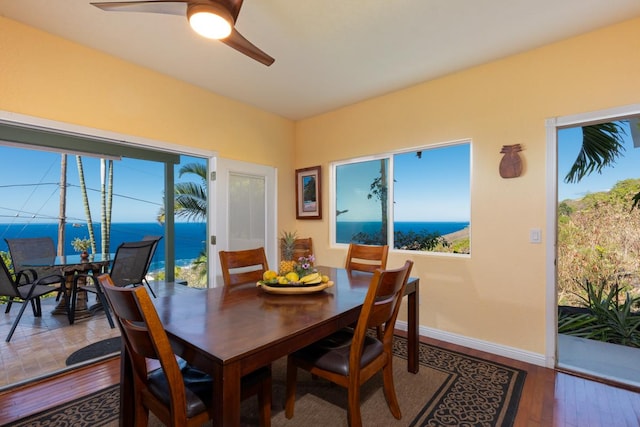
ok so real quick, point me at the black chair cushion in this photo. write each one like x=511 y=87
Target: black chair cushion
x=332 y=353
x=198 y=388
x=38 y=290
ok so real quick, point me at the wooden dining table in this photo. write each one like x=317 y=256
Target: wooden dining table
x=229 y=332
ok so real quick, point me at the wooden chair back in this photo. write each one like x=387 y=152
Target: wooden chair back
x=145 y=338
x=381 y=306
x=303 y=247
x=246 y=266
x=366 y=257
x=366 y=355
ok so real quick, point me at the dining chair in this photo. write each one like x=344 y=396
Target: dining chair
x=350 y=356
x=245 y=266
x=156 y=240
x=20 y=288
x=366 y=257
x=302 y=247
x=129 y=268
x=28 y=248
x=178 y=394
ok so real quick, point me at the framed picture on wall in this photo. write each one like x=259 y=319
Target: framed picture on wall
x=308 y=193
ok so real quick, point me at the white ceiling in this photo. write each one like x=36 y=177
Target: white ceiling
x=329 y=53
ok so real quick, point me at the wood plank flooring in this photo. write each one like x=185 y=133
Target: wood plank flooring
x=549 y=398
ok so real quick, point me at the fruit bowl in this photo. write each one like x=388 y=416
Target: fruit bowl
x=292 y=289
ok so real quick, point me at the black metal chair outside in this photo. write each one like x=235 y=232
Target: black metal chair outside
x=20 y=288
x=156 y=240
x=128 y=269
x=23 y=249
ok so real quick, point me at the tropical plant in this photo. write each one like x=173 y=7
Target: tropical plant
x=81 y=245
x=602 y=144
x=190 y=203
x=608 y=319
x=191 y=197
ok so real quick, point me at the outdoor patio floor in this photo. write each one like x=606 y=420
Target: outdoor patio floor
x=40 y=346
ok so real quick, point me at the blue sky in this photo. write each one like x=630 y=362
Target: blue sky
x=569 y=143
x=29 y=190
x=434 y=187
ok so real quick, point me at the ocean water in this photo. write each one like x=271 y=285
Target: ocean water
x=346 y=229
x=190 y=237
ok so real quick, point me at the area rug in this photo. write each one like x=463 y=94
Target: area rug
x=94 y=351
x=451 y=389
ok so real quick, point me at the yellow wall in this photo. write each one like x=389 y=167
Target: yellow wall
x=497 y=295
x=48 y=77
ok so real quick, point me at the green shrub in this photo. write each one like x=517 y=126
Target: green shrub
x=609 y=319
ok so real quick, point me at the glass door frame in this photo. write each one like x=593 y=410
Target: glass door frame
x=127 y=142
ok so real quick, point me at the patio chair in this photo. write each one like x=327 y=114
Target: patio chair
x=176 y=393
x=366 y=258
x=350 y=357
x=20 y=288
x=156 y=240
x=23 y=249
x=128 y=269
x=245 y=266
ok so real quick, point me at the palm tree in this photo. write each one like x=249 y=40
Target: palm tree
x=602 y=144
x=190 y=197
x=85 y=202
x=191 y=204
x=106 y=192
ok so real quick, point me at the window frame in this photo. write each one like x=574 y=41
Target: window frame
x=389 y=155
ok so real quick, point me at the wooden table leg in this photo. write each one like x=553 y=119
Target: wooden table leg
x=413 y=336
x=226 y=395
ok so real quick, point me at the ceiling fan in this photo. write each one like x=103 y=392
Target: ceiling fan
x=214 y=19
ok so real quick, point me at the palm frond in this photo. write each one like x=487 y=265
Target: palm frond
x=602 y=144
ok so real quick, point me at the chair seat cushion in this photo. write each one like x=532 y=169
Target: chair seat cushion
x=39 y=290
x=332 y=353
x=198 y=388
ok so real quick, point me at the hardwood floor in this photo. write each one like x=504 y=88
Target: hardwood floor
x=549 y=398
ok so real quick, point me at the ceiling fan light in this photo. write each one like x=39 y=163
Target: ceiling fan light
x=210 y=21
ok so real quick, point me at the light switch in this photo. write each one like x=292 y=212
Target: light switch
x=535 y=235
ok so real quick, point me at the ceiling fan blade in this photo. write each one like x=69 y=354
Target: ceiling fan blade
x=239 y=43
x=233 y=6
x=173 y=7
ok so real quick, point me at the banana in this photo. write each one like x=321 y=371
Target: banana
x=311 y=278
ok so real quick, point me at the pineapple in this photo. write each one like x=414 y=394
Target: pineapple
x=286 y=267
x=287 y=246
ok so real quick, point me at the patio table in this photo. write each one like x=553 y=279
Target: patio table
x=70 y=265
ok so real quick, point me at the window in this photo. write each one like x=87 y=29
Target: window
x=425 y=207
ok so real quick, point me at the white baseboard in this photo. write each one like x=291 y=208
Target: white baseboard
x=486 y=346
